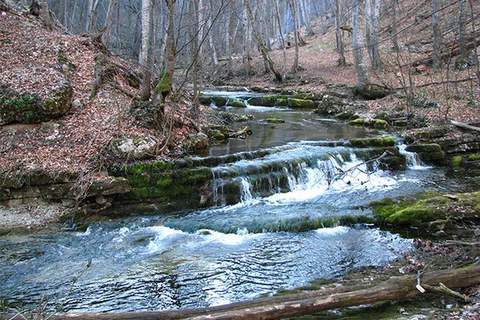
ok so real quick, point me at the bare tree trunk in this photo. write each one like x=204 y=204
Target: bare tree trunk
x=475 y=43
x=396 y=47
x=92 y=16
x=170 y=49
x=246 y=40
x=145 y=58
x=282 y=39
x=211 y=42
x=44 y=14
x=461 y=30
x=194 y=14
x=293 y=6
x=306 y=18
x=368 y=28
x=437 y=36
x=357 y=46
x=376 y=60
x=107 y=35
x=338 y=34
x=261 y=44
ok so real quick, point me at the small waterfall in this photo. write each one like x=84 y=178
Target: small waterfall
x=245 y=192
x=413 y=160
x=217 y=189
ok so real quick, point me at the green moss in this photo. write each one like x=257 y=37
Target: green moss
x=204 y=100
x=379 y=124
x=424 y=147
x=384 y=141
x=282 y=102
x=409 y=212
x=237 y=103
x=274 y=120
x=473 y=157
x=427 y=208
x=393 y=163
x=220 y=101
x=301 y=103
x=164 y=85
x=456 y=161
x=358 y=122
x=217 y=135
x=265 y=101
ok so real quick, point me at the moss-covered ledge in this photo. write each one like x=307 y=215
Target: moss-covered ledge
x=429 y=211
x=169 y=185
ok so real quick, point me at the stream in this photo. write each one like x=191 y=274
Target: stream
x=266 y=239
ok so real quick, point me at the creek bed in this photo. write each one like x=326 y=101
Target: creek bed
x=272 y=237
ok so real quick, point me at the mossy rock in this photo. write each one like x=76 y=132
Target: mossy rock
x=347 y=115
x=371 y=91
x=426 y=134
x=217 y=135
x=424 y=147
x=274 y=120
x=456 y=161
x=264 y=101
x=220 y=101
x=359 y=122
x=473 y=156
x=196 y=142
x=393 y=163
x=301 y=103
x=204 y=100
x=237 y=103
x=282 y=102
x=384 y=141
x=379 y=124
x=31 y=108
x=428 y=209
x=370 y=123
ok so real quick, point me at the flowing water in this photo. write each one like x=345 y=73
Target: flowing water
x=266 y=235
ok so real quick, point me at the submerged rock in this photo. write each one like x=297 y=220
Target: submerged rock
x=274 y=120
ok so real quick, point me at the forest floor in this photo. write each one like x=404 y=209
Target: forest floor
x=28 y=63
x=319 y=69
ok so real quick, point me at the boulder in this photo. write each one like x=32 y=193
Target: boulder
x=24 y=107
x=330 y=105
x=371 y=123
x=237 y=103
x=301 y=103
x=106 y=186
x=371 y=91
x=196 y=142
x=134 y=148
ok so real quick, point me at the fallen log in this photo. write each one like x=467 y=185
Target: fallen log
x=465 y=126
x=396 y=288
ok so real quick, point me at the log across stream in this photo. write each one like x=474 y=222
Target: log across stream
x=275 y=223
